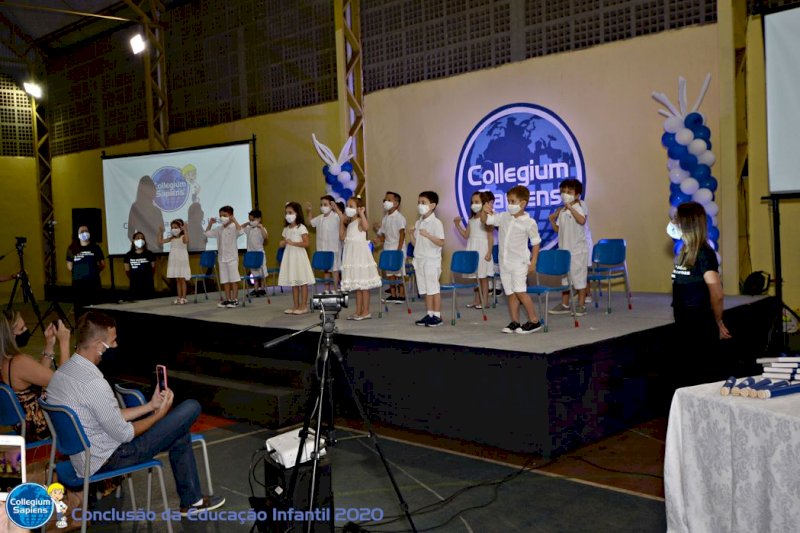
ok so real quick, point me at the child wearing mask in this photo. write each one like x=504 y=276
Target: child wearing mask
x=256 y=238
x=327 y=226
x=571 y=222
x=227 y=253
x=178 y=260
x=295 y=269
x=140 y=266
x=392 y=235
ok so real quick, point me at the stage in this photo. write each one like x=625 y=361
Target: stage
x=542 y=393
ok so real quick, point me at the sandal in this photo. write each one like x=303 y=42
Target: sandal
x=176 y=301
x=288 y=311
x=300 y=311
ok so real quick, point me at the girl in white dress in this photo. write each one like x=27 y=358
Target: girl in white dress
x=295 y=267
x=178 y=261
x=480 y=238
x=359 y=271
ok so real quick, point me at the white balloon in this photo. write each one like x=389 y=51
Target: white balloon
x=697 y=147
x=706 y=158
x=335 y=169
x=703 y=196
x=673 y=163
x=719 y=258
x=711 y=209
x=689 y=186
x=684 y=136
x=672 y=212
x=673 y=124
x=713 y=220
x=343 y=177
x=351 y=185
x=677 y=175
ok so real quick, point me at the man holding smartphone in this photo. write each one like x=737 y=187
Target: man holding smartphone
x=125 y=437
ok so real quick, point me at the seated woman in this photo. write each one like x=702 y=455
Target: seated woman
x=27 y=376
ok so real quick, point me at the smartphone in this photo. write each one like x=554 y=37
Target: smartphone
x=161 y=377
x=12 y=463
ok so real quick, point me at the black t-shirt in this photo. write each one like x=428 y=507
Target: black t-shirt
x=689 y=289
x=141 y=271
x=86 y=263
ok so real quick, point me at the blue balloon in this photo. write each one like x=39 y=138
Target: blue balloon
x=701 y=172
x=693 y=121
x=676 y=248
x=679 y=198
x=688 y=162
x=703 y=133
x=668 y=139
x=347 y=166
x=347 y=194
x=677 y=151
x=708 y=143
x=713 y=233
x=710 y=183
x=674 y=188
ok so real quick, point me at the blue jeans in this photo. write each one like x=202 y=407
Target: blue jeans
x=171 y=433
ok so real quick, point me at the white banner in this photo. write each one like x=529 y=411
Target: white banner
x=145 y=192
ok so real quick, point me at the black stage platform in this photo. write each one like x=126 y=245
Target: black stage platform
x=543 y=393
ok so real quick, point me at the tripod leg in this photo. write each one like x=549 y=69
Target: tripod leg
x=13 y=294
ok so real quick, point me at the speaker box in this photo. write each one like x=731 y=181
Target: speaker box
x=277 y=480
x=91 y=217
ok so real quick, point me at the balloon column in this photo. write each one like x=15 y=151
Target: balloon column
x=338 y=171
x=687 y=141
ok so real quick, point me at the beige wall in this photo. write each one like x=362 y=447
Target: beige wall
x=415 y=133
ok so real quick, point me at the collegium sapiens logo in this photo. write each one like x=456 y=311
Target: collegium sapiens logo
x=520 y=144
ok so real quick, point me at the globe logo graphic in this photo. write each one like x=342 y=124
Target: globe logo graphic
x=172 y=190
x=520 y=144
x=29 y=506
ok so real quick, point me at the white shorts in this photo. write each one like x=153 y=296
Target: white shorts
x=578 y=270
x=514 y=278
x=427 y=273
x=229 y=272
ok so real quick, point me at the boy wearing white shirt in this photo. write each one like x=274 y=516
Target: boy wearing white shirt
x=327 y=226
x=516 y=228
x=227 y=253
x=392 y=235
x=256 y=237
x=427 y=237
x=571 y=224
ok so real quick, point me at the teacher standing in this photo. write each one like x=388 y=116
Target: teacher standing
x=85 y=260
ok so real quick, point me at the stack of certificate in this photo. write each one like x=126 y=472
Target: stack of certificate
x=786 y=367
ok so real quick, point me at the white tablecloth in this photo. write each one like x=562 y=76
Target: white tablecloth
x=732 y=464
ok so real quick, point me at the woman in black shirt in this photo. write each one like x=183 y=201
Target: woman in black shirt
x=140 y=266
x=85 y=260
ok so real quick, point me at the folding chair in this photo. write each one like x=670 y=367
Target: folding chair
x=608 y=262
x=322 y=261
x=496 y=275
x=134 y=398
x=462 y=263
x=390 y=261
x=411 y=273
x=552 y=263
x=70 y=439
x=208 y=260
x=252 y=261
x=12 y=414
x=276 y=271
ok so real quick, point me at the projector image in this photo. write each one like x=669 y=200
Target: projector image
x=283 y=448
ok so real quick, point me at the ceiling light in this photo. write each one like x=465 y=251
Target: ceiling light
x=137 y=43
x=33 y=89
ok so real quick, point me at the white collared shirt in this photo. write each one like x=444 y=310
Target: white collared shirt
x=390 y=229
x=327 y=227
x=423 y=247
x=514 y=234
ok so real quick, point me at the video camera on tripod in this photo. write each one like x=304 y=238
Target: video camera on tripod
x=21 y=243
x=329 y=301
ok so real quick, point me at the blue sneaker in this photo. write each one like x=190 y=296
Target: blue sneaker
x=434 y=321
x=424 y=321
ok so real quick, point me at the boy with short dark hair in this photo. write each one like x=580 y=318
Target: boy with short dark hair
x=326 y=225
x=392 y=235
x=256 y=238
x=227 y=253
x=516 y=228
x=571 y=222
x=427 y=236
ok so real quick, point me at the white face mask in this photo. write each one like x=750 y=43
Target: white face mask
x=567 y=198
x=139 y=243
x=674 y=231
x=290 y=218
x=325 y=209
x=423 y=209
x=476 y=208
x=387 y=205
x=224 y=220
x=350 y=212
x=176 y=232
x=513 y=209
x=255 y=222
x=84 y=236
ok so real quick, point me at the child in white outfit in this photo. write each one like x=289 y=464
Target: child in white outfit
x=359 y=271
x=227 y=253
x=480 y=238
x=392 y=235
x=256 y=238
x=178 y=261
x=295 y=267
x=327 y=226
x=428 y=239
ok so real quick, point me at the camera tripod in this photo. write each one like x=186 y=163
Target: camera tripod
x=321 y=404
x=24 y=283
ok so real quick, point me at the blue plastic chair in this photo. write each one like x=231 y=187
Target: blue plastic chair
x=252 y=261
x=462 y=263
x=552 y=263
x=134 y=398
x=608 y=262
x=208 y=260
x=12 y=414
x=496 y=275
x=322 y=261
x=411 y=272
x=390 y=261
x=70 y=439
x=275 y=271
